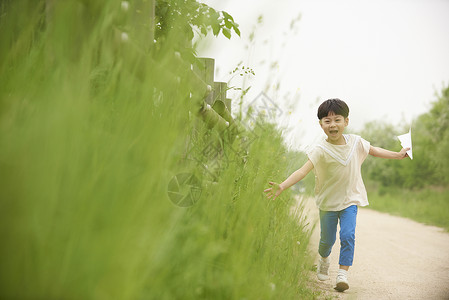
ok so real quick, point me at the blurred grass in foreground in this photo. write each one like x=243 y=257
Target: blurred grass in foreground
x=91 y=132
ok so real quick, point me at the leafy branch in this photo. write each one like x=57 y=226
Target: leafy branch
x=185 y=15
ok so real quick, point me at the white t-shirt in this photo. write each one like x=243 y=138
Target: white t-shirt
x=338 y=178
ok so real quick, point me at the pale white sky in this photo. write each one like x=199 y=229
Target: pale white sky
x=385 y=58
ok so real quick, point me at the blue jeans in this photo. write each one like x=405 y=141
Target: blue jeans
x=328 y=221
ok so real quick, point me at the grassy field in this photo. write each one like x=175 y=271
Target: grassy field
x=429 y=205
x=92 y=132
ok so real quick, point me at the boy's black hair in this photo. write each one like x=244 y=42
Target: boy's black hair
x=337 y=106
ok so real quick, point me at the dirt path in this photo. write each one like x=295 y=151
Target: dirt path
x=395 y=258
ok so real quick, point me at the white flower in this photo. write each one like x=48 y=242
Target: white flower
x=124 y=36
x=125 y=5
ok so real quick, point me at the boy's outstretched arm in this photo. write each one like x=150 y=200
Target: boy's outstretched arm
x=382 y=153
x=296 y=176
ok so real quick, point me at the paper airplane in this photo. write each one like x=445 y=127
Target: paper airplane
x=406 y=142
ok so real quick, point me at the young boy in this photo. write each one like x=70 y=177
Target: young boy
x=339 y=187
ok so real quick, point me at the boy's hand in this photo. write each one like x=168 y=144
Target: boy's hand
x=275 y=191
x=403 y=153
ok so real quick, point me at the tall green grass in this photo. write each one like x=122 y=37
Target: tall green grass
x=92 y=129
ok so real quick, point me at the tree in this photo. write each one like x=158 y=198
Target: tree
x=430 y=134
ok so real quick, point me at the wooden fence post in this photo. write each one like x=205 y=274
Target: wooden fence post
x=205 y=70
x=220 y=89
x=228 y=103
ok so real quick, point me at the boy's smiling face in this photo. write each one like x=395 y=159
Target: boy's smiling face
x=333 y=126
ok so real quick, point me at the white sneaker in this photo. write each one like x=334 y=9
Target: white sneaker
x=322 y=270
x=342 y=282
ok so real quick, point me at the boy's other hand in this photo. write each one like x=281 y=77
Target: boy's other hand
x=275 y=191
x=403 y=153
